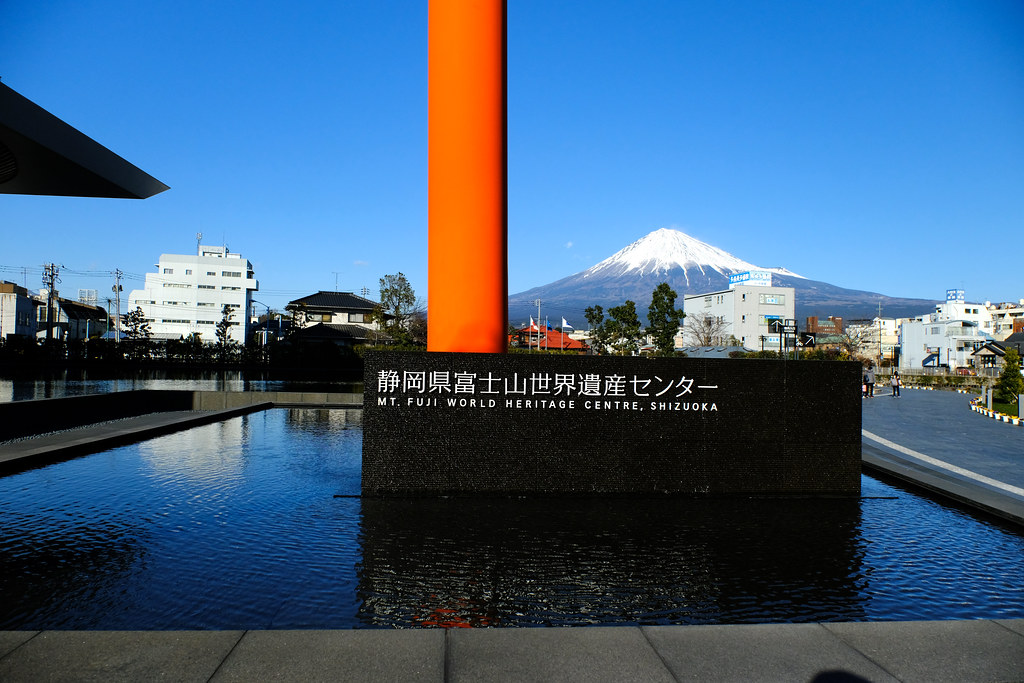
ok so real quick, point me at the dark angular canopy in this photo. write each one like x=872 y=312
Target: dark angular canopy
x=42 y=155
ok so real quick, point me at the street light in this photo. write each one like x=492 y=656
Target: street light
x=266 y=332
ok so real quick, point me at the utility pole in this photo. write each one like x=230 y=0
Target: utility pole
x=117 y=289
x=880 y=334
x=538 y=302
x=50 y=279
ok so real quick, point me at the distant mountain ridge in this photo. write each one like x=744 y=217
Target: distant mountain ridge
x=690 y=266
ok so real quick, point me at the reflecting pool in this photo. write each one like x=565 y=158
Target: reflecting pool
x=66 y=383
x=256 y=523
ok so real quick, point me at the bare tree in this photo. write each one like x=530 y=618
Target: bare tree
x=853 y=343
x=704 y=329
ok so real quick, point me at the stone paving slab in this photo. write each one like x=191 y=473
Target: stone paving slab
x=113 y=656
x=979 y=651
x=362 y=655
x=553 y=654
x=11 y=640
x=937 y=651
x=759 y=652
x=942 y=425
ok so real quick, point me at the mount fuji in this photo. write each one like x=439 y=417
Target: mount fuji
x=690 y=267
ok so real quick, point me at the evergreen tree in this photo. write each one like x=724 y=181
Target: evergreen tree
x=598 y=329
x=624 y=329
x=226 y=346
x=1010 y=383
x=137 y=333
x=663 y=319
x=134 y=325
x=398 y=310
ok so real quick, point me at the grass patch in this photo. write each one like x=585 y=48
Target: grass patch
x=1005 y=408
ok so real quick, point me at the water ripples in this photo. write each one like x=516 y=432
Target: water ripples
x=236 y=525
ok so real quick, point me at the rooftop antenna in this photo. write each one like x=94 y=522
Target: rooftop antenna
x=199 y=241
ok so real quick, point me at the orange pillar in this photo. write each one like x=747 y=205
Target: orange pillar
x=468 y=255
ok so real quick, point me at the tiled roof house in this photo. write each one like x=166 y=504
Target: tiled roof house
x=339 y=317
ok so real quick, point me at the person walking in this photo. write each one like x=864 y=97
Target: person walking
x=894 y=381
x=869 y=379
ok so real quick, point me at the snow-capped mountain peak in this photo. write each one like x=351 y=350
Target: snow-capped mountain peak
x=664 y=250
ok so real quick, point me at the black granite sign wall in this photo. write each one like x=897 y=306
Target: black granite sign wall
x=463 y=424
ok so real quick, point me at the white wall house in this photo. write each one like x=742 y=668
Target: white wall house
x=935 y=343
x=17 y=314
x=1003 y=316
x=188 y=293
x=746 y=310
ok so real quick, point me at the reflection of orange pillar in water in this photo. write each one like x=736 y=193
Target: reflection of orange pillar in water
x=468 y=261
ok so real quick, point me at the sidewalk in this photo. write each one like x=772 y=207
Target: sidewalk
x=932 y=651
x=933 y=439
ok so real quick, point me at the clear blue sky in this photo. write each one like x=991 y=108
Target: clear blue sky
x=873 y=145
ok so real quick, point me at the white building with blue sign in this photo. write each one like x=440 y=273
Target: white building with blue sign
x=751 y=278
x=747 y=312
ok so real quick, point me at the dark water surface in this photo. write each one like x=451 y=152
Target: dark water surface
x=82 y=383
x=236 y=526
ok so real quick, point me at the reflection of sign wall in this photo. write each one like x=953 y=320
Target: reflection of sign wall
x=756 y=278
x=518 y=423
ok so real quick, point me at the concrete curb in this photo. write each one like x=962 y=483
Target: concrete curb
x=42 y=450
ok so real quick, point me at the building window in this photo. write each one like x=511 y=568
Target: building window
x=188 y=271
x=230 y=273
x=178 y=285
x=319 y=317
x=168 y=271
x=357 y=317
x=211 y=272
x=174 y=320
x=231 y=289
x=205 y=303
x=772 y=299
x=207 y=287
x=204 y=322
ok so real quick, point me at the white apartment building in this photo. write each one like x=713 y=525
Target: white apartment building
x=956 y=307
x=188 y=293
x=951 y=334
x=747 y=311
x=938 y=343
x=1003 y=317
